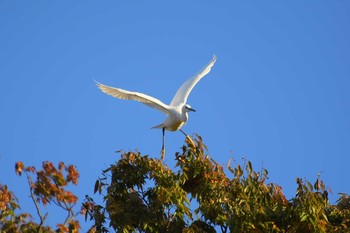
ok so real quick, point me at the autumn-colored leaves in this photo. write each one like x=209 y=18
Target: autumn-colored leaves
x=5 y=197
x=142 y=194
x=50 y=182
x=49 y=185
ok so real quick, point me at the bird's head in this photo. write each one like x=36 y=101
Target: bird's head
x=187 y=108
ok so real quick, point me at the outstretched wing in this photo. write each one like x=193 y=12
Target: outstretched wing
x=130 y=95
x=183 y=92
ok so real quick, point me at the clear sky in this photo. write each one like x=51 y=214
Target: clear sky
x=278 y=94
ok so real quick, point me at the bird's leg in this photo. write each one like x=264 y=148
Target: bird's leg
x=163 y=130
x=186 y=135
x=163 y=148
x=183 y=133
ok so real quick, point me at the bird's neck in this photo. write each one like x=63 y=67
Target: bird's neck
x=185 y=117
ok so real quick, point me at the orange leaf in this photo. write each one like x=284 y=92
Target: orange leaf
x=30 y=169
x=61 y=166
x=19 y=167
x=62 y=228
x=73 y=175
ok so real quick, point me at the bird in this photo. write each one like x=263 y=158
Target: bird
x=176 y=111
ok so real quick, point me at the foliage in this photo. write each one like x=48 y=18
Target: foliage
x=49 y=186
x=142 y=194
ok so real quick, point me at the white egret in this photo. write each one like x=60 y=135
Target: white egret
x=177 y=110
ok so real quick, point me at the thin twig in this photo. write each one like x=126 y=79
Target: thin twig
x=70 y=215
x=42 y=219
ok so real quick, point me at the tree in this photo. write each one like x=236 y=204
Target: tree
x=47 y=187
x=142 y=194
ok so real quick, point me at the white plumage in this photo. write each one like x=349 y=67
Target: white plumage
x=177 y=110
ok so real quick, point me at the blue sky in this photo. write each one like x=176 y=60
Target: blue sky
x=278 y=94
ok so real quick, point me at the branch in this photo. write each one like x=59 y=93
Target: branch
x=65 y=206
x=42 y=218
x=142 y=194
x=223 y=229
x=71 y=214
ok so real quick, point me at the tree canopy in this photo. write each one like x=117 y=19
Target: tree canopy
x=143 y=194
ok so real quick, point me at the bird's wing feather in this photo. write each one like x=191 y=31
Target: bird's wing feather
x=183 y=92
x=130 y=95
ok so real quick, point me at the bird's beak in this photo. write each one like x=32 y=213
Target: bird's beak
x=191 y=109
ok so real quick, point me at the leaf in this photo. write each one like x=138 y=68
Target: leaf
x=325 y=217
x=249 y=167
x=310 y=186
x=229 y=163
x=62 y=228
x=19 y=168
x=61 y=166
x=97 y=184
x=73 y=175
x=107 y=170
x=30 y=169
x=100 y=187
x=86 y=215
x=231 y=170
x=239 y=171
x=303 y=217
x=265 y=173
x=317 y=184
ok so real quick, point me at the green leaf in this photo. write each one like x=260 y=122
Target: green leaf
x=303 y=217
x=310 y=186
x=249 y=167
